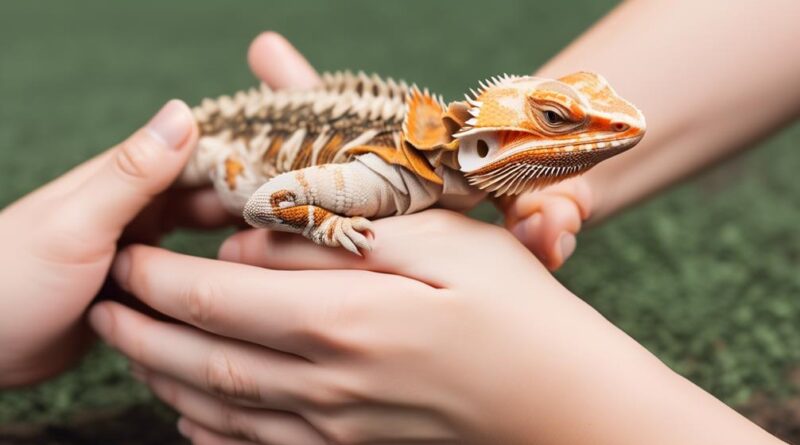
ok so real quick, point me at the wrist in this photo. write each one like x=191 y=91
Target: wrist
x=589 y=382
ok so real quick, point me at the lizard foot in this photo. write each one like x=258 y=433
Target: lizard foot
x=341 y=231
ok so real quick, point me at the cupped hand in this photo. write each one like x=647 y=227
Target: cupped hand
x=420 y=341
x=59 y=241
x=61 y=238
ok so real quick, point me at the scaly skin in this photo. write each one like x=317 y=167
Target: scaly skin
x=320 y=162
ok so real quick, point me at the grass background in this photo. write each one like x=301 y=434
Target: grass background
x=705 y=276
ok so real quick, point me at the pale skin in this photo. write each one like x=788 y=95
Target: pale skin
x=711 y=80
x=395 y=359
x=431 y=352
x=59 y=241
x=62 y=237
x=280 y=348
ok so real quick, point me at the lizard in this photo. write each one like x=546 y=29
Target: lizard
x=323 y=161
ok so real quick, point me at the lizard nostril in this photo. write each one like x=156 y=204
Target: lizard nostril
x=619 y=126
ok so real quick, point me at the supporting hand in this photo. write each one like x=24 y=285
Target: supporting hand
x=427 y=339
x=59 y=241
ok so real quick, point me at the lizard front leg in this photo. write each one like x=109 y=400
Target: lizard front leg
x=329 y=204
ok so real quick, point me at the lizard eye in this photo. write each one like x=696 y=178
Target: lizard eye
x=619 y=126
x=553 y=118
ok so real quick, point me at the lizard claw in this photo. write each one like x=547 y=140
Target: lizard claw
x=349 y=233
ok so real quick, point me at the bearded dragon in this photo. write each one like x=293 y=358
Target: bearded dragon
x=321 y=161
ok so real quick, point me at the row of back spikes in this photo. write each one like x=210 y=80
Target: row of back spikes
x=488 y=83
x=346 y=81
x=337 y=82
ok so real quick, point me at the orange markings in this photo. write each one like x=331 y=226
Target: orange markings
x=271 y=155
x=330 y=149
x=303 y=157
x=233 y=168
x=296 y=216
x=280 y=196
x=426 y=130
x=407 y=157
x=502 y=108
x=320 y=215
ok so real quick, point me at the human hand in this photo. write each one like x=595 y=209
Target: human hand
x=349 y=356
x=547 y=220
x=59 y=241
x=449 y=331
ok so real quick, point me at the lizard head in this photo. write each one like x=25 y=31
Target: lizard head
x=527 y=132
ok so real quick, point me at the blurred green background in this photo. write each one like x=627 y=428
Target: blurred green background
x=705 y=276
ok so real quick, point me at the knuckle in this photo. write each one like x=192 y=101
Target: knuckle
x=134 y=157
x=201 y=299
x=340 y=431
x=225 y=379
x=333 y=394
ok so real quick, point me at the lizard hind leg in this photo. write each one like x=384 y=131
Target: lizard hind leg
x=284 y=210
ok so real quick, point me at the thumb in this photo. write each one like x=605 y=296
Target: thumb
x=139 y=168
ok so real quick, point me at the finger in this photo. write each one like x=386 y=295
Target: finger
x=198 y=209
x=550 y=232
x=361 y=424
x=276 y=62
x=251 y=424
x=289 y=311
x=138 y=169
x=70 y=180
x=200 y=435
x=409 y=245
x=189 y=208
x=240 y=372
x=575 y=189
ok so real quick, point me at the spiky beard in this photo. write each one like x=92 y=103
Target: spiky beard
x=530 y=170
x=515 y=178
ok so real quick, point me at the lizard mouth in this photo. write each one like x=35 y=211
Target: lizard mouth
x=534 y=165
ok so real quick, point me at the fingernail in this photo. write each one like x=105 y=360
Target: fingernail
x=172 y=124
x=230 y=250
x=184 y=427
x=101 y=321
x=567 y=243
x=122 y=268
